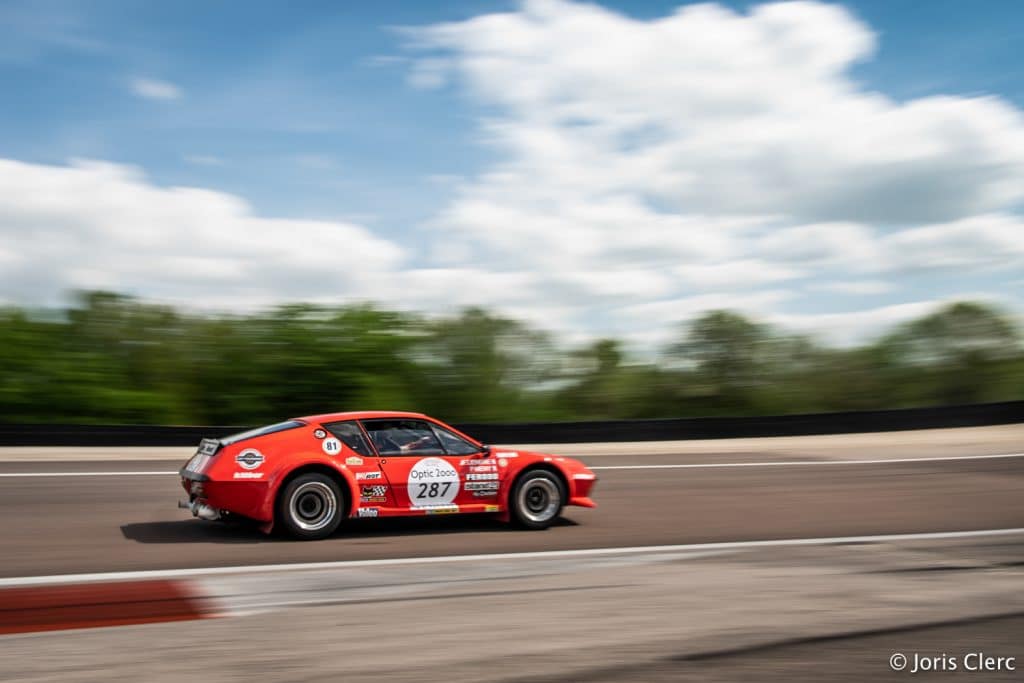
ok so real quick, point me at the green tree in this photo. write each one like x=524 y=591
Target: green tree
x=725 y=353
x=478 y=367
x=958 y=354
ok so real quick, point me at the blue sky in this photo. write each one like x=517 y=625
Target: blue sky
x=281 y=90
x=331 y=112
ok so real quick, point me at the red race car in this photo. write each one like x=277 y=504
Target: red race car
x=307 y=474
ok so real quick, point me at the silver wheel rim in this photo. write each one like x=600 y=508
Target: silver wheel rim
x=313 y=506
x=539 y=500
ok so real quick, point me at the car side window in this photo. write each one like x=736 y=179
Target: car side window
x=455 y=445
x=351 y=435
x=403 y=437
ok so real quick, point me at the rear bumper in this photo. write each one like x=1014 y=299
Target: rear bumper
x=192 y=476
x=245 y=498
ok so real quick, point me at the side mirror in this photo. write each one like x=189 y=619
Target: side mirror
x=485 y=451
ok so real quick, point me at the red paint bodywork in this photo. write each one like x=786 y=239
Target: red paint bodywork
x=225 y=485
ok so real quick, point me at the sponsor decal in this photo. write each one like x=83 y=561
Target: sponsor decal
x=507 y=454
x=249 y=459
x=373 y=491
x=484 y=494
x=432 y=481
x=331 y=446
x=320 y=434
x=492 y=508
x=481 y=486
x=372 y=499
x=483 y=468
x=482 y=477
x=584 y=476
x=476 y=461
x=367 y=475
x=249 y=475
x=502 y=462
x=353 y=460
x=368 y=512
x=447 y=510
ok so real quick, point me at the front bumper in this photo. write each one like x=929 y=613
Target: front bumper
x=582 y=485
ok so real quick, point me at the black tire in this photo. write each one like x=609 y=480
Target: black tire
x=310 y=507
x=536 y=500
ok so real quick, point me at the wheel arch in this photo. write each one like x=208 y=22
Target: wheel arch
x=343 y=482
x=560 y=475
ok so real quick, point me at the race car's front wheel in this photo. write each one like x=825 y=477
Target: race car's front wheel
x=310 y=506
x=536 y=500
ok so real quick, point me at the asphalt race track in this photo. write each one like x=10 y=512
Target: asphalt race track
x=872 y=568
x=111 y=522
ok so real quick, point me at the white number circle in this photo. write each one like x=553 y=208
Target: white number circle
x=432 y=481
x=331 y=446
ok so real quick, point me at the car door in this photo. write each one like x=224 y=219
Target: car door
x=479 y=471
x=426 y=466
x=362 y=461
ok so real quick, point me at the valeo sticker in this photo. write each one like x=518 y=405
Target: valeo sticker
x=353 y=460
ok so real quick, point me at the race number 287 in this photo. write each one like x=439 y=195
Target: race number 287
x=433 y=482
x=433 y=490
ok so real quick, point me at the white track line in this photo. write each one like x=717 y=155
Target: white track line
x=705 y=465
x=800 y=463
x=543 y=554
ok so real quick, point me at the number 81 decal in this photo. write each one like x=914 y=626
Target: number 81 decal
x=432 y=481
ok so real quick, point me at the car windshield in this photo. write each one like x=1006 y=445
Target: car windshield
x=260 y=431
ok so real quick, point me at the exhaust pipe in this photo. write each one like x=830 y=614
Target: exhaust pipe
x=200 y=510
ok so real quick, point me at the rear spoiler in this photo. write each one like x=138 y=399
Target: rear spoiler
x=193 y=469
x=209 y=446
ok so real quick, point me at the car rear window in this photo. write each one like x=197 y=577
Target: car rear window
x=351 y=435
x=260 y=431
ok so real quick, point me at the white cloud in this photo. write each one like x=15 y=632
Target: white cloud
x=153 y=89
x=716 y=152
x=645 y=170
x=848 y=245
x=93 y=224
x=715 y=111
x=428 y=73
x=854 y=327
x=858 y=287
x=990 y=240
x=740 y=274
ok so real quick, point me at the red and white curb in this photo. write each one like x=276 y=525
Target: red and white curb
x=32 y=609
x=73 y=601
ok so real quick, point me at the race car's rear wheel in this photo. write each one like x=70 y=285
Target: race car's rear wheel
x=536 y=500
x=310 y=506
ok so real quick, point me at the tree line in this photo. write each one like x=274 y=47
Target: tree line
x=110 y=358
